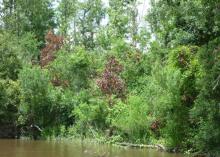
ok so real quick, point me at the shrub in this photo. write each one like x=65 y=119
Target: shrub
x=131 y=118
x=9 y=102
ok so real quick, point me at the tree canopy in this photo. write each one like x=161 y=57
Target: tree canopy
x=85 y=68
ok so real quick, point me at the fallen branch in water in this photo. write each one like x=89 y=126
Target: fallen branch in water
x=157 y=146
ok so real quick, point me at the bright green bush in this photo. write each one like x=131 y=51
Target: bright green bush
x=35 y=104
x=164 y=98
x=131 y=118
x=171 y=92
x=42 y=103
x=91 y=113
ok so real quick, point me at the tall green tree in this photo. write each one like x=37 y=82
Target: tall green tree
x=88 y=21
x=28 y=16
x=66 y=14
x=184 y=22
x=83 y=18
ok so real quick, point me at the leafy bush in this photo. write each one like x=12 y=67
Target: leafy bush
x=110 y=82
x=206 y=112
x=9 y=59
x=131 y=118
x=71 y=69
x=91 y=114
x=9 y=102
x=35 y=86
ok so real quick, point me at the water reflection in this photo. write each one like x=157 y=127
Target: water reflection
x=26 y=148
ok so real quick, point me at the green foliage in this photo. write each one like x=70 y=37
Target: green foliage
x=131 y=118
x=86 y=16
x=136 y=68
x=206 y=112
x=166 y=73
x=29 y=48
x=20 y=17
x=91 y=114
x=172 y=91
x=35 y=103
x=165 y=101
x=74 y=68
x=184 y=22
x=122 y=18
x=41 y=101
x=14 y=52
x=183 y=57
x=66 y=9
x=9 y=102
x=10 y=62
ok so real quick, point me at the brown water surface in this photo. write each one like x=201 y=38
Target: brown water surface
x=28 y=148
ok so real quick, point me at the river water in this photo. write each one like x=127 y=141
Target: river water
x=28 y=148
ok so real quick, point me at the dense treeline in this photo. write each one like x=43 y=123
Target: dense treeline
x=85 y=68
